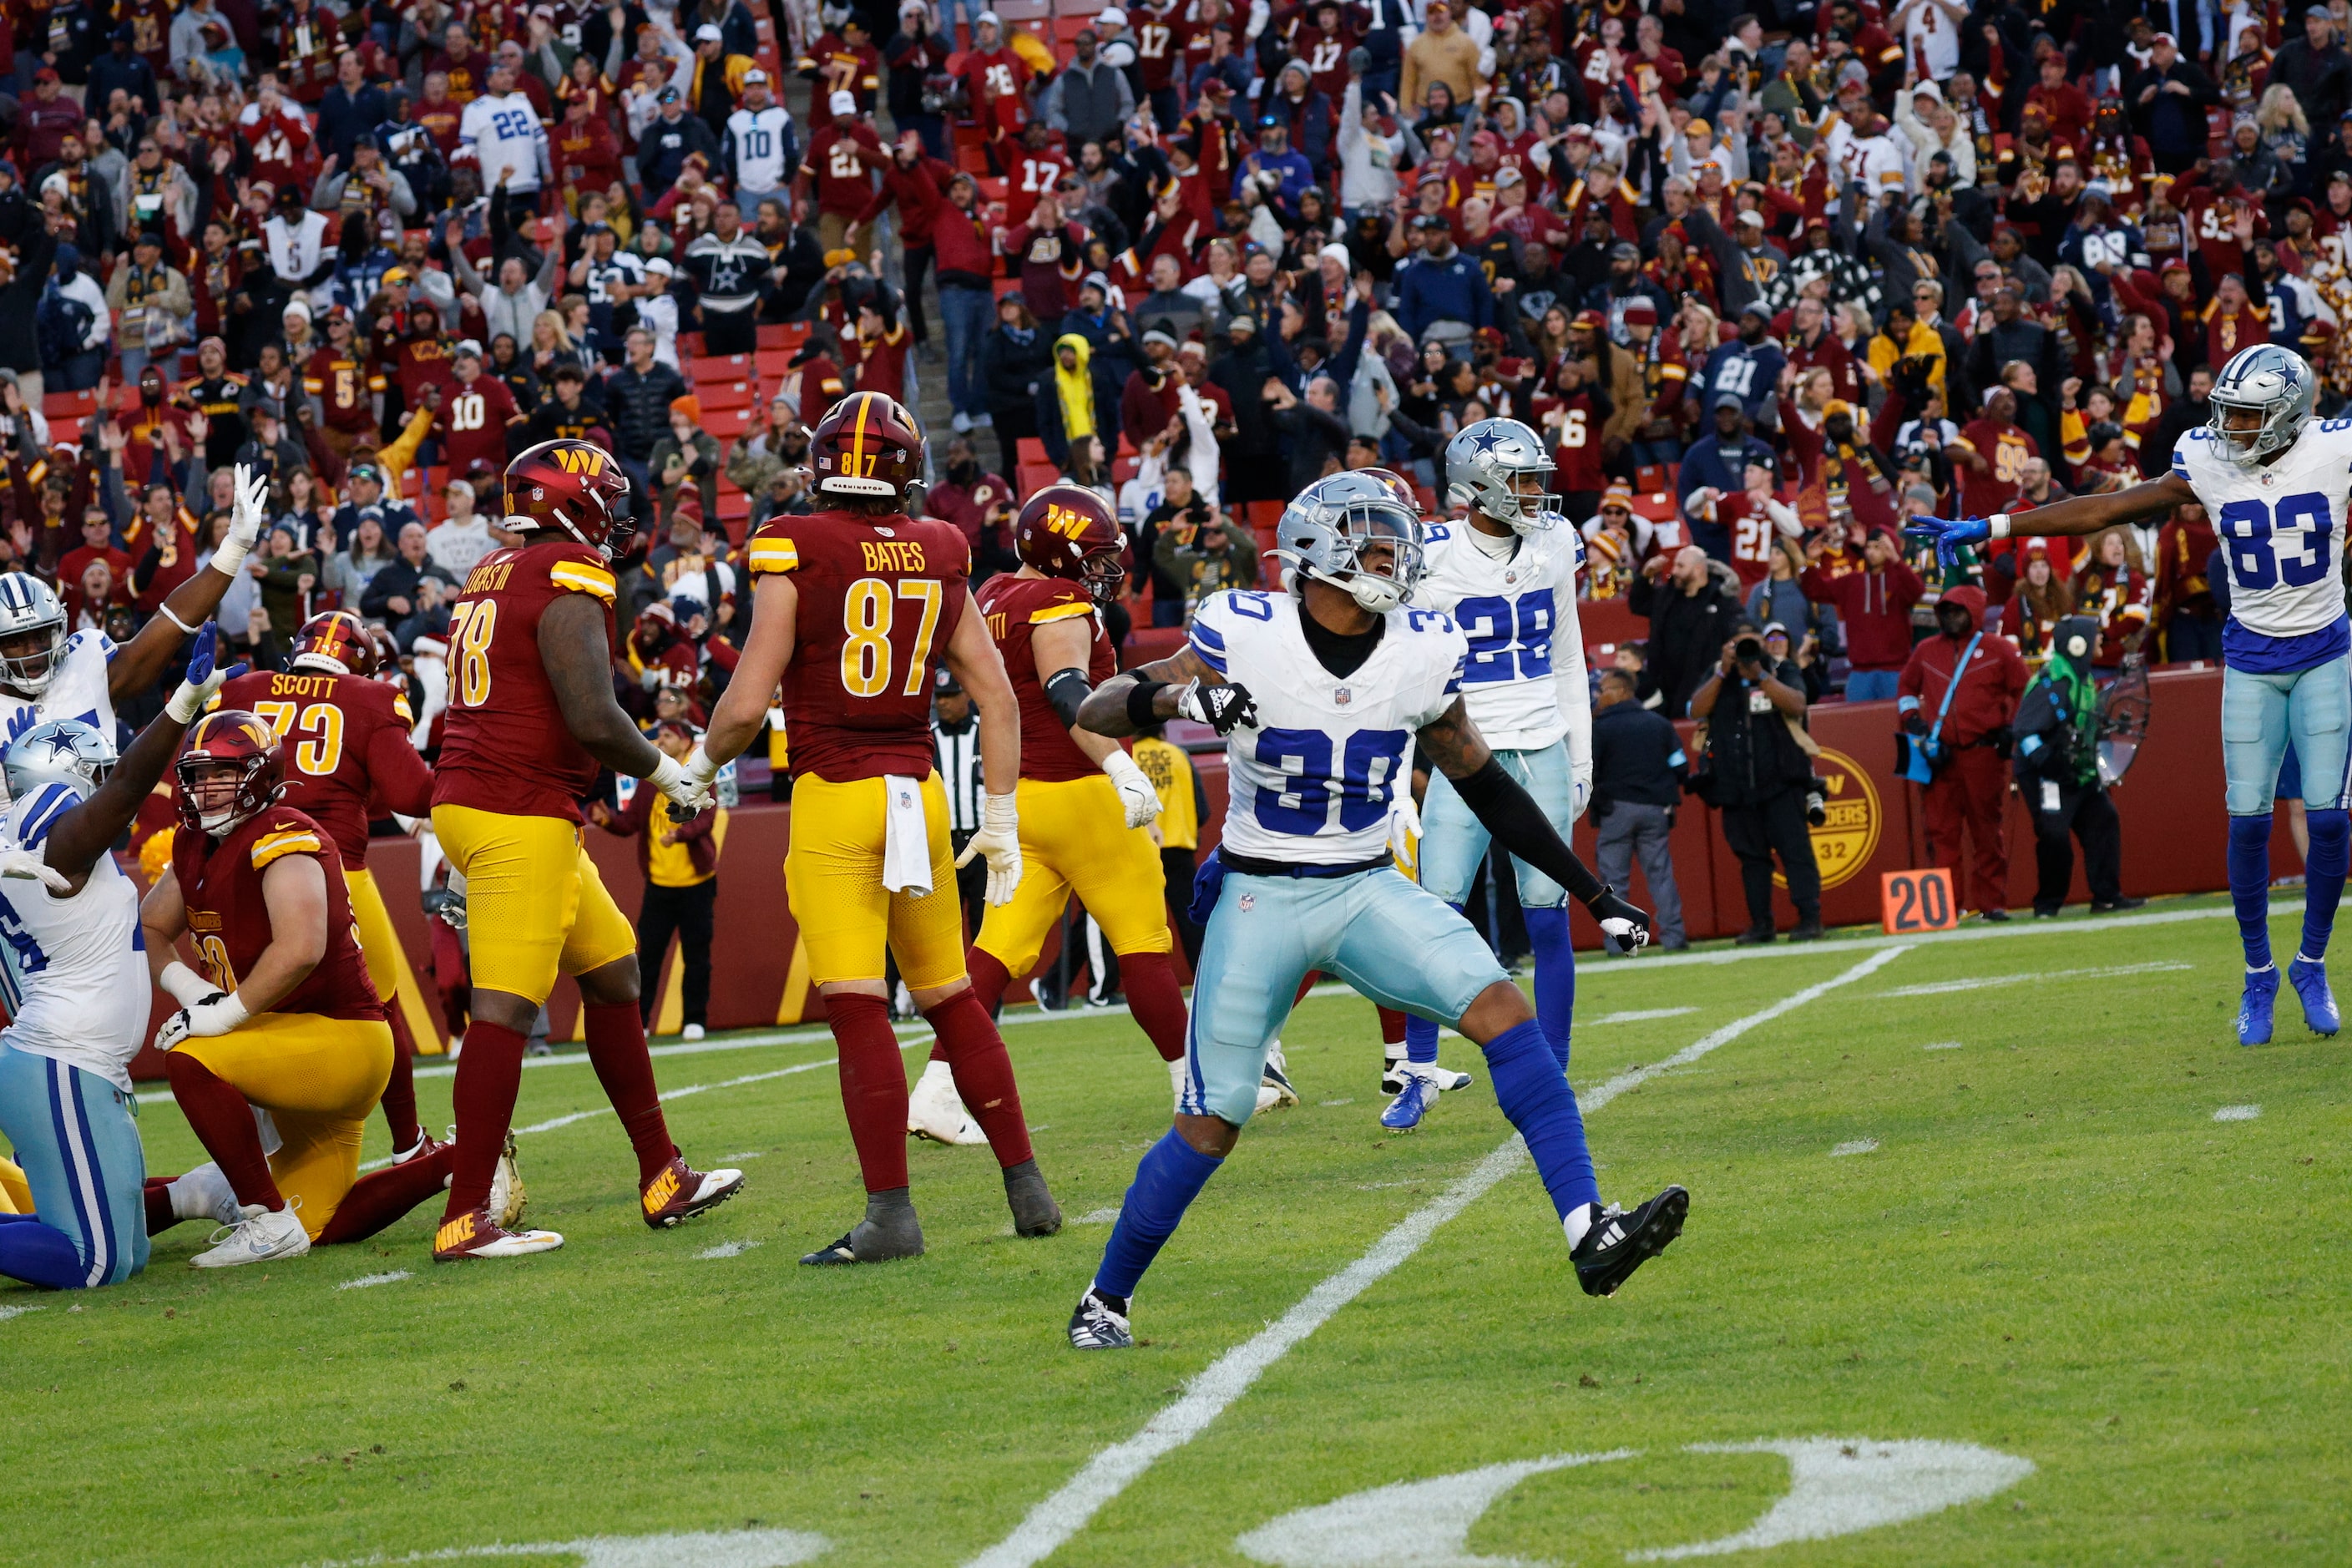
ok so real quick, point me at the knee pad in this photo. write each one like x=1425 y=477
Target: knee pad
x=2331 y=830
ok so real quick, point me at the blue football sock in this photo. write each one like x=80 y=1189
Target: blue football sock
x=1420 y=1033
x=2323 y=878
x=1535 y=1095
x=1170 y=1176
x=41 y=1254
x=2250 y=885
x=1554 y=978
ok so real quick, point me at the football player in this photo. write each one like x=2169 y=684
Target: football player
x=1321 y=691
x=46 y=673
x=351 y=761
x=855 y=609
x=282 y=1019
x=532 y=714
x=1507 y=574
x=72 y=976
x=1085 y=804
x=2274 y=484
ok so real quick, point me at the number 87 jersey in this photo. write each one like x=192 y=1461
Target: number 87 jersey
x=2282 y=532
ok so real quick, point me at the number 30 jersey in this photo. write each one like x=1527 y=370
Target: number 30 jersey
x=504 y=745
x=1313 y=782
x=1515 y=612
x=879 y=600
x=346 y=740
x=2281 y=532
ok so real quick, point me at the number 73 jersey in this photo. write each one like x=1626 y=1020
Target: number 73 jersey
x=878 y=600
x=2282 y=532
x=345 y=740
x=1312 y=784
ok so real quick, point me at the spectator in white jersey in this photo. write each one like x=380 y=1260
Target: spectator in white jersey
x=761 y=146
x=502 y=128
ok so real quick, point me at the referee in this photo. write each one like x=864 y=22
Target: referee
x=955 y=737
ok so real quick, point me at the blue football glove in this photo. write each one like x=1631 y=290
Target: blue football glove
x=1948 y=534
x=203 y=680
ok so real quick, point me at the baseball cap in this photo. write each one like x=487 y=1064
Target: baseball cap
x=843 y=103
x=755 y=74
x=709 y=33
x=2170 y=42
x=990 y=20
x=1728 y=400
x=660 y=267
x=1110 y=16
x=667 y=95
x=468 y=347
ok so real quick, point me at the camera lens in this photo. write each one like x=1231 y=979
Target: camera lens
x=1748 y=650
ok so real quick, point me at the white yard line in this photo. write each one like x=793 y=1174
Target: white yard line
x=366 y=1281
x=1062 y=1515
x=1982 y=981
x=2237 y=1113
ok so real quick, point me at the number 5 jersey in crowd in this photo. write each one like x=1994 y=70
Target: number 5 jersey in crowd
x=2281 y=532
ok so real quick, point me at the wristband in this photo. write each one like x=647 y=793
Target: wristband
x=1997 y=525
x=186 y=986
x=1139 y=699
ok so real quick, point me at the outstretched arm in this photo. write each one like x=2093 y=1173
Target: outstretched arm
x=579 y=665
x=139 y=663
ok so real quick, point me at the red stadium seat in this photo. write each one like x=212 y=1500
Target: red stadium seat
x=1653 y=476
x=1087 y=8
x=772 y=337
x=1658 y=506
x=720 y=367
x=1034 y=477
x=1266 y=515
x=73 y=405
x=769 y=364
x=1005 y=286
x=972 y=159
x=727 y=424
x=1029 y=449
x=1067 y=28
x=718 y=395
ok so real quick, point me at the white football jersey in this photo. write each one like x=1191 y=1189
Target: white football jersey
x=760 y=140
x=72 y=970
x=506 y=134
x=79 y=691
x=1515 y=614
x=2281 y=526
x=1313 y=780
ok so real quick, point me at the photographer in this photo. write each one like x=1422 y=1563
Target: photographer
x=2057 y=766
x=1961 y=720
x=1754 y=775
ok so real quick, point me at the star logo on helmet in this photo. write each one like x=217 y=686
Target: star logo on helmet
x=1488 y=440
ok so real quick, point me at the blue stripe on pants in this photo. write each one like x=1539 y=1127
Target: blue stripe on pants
x=74 y=1134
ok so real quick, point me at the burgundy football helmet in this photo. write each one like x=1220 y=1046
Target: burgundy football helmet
x=230 y=739
x=573 y=487
x=867 y=445
x=1068 y=530
x=337 y=643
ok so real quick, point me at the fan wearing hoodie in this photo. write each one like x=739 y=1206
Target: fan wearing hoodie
x=1873 y=606
x=1973 y=785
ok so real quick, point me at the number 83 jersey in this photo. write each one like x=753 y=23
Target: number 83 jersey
x=1513 y=610
x=1313 y=782
x=2281 y=532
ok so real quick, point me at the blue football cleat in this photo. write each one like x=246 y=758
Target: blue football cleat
x=2254 y=1006
x=1411 y=1103
x=2310 y=981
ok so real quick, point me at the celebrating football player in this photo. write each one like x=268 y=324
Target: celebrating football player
x=854 y=610
x=532 y=714
x=1321 y=691
x=2274 y=484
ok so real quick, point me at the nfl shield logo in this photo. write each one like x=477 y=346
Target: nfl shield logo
x=1342 y=696
x=1248 y=902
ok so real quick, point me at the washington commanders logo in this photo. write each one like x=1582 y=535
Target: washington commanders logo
x=580 y=460
x=1852 y=819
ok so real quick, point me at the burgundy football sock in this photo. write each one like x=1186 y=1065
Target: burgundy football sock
x=489 y=1074
x=1391 y=1026
x=989 y=981
x=983 y=1075
x=1305 y=983
x=224 y=1125
x=1155 y=999
x=400 y=1089
x=375 y=1201
x=158 y=1195
x=616 y=1049
x=873 y=1086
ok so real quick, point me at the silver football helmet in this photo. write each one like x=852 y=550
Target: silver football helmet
x=61 y=750
x=2276 y=383
x=28 y=609
x=1324 y=533
x=1482 y=468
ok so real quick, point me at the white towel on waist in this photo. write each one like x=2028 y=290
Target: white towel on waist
x=906 y=838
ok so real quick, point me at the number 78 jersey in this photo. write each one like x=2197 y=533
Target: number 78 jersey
x=1313 y=782
x=2281 y=532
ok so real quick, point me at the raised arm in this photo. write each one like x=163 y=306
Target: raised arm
x=141 y=662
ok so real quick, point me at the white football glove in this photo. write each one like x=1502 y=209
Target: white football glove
x=999 y=839
x=700 y=765
x=1580 y=791
x=1404 y=822
x=187 y=988
x=215 y=1014
x=686 y=791
x=245 y=520
x=28 y=863
x=1136 y=794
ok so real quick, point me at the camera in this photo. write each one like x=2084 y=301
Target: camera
x=1748 y=651
x=1816 y=804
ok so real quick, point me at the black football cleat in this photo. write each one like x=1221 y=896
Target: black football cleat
x=890 y=1230
x=1100 y=1323
x=1619 y=1242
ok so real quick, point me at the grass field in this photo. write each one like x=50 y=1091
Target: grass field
x=2129 y=1317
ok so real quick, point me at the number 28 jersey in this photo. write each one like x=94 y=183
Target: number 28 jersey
x=879 y=598
x=1312 y=783
x=1516 y=614
x=2281 y=532
x=504 y=744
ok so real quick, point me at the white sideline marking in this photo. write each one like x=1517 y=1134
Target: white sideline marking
x=1098 y=1216
x=728 y=1249
x=1842 y=1486
x=1941 y=1046
x=1327 y=1104
x=1066 y=1511
x=8 y=1312
x=709 y=1549
x=2237 y=1113
x=1859 y=1146
x=1638 y=1016
x=365 y=1280
x=1982 y=982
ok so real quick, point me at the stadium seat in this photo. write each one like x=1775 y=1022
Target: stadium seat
x=772 y=361
x=1005 y=286
x=727 y=424
x=1067 y=28
x=1086 y=8
x=1266 y=515
x=1030 y=449
x=73 y=405
x=1653 y=476
x=1658 y=506
x=993 y=187
x=972 y=159
x=1037 y=477
x=718 y=395
x=720 y=367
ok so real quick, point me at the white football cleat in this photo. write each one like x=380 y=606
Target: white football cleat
x=258 y=1235
x=205 y=1193
x=507 y=1194
x=693 y=1032
x=1275 y=1079
x=937 y=1113
x=1444 y=1078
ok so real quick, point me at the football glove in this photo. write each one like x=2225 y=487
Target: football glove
x=1948 y=534
x=1224 y=709
x=186 y=986
x=1136 y=795
x=686 y=792
x=245 y=520
x=204 y=682
x=1579 y=789
x=215 y=1014
x=28 y=863
x=1404 y=822
x=1627 y=922
x=998 y=840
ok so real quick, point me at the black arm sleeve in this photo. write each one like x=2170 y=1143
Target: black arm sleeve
x=1068 y=690
x=1506 y=810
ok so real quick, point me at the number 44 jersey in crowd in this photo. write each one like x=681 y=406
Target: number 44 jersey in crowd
x=2281 y=532
x=1314 y=781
